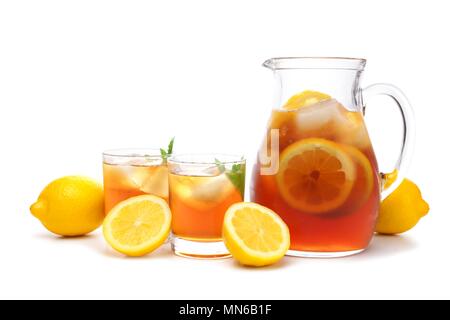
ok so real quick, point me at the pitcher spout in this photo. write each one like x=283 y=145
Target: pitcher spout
x=270 y=64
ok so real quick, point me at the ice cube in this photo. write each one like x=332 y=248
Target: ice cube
x=351 y=129
x=202 y=192
x=212 y=189
x=118 y=176
x=152 y=180
x=195 y=170
x=318 y=115
x=211 y=171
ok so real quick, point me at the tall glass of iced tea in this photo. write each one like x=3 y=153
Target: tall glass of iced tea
x=133 y=172
x=202 y=188
x=316 y=167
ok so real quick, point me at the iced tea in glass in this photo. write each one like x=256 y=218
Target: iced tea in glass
x=133 y=172
x=202 y=188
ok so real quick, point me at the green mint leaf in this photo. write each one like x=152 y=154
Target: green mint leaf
x=236 y=175
x=170 y=147
x=166 y=153
x=163 y=153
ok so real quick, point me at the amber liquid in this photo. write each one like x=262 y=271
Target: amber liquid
x=122 y=182
x=198 y=205
x=350 y=226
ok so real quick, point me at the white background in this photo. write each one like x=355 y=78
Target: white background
x=78 y=77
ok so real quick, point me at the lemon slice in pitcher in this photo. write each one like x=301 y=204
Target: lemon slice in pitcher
x=305 y=98
x=316 y=175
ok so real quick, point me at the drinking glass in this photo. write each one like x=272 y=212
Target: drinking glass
x=133 y=172
x=201 y=189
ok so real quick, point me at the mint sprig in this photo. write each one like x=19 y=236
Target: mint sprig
x=166 y=153
x=236 y=174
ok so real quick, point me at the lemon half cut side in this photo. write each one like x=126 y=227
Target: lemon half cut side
x=138 y=225
x=255 y=235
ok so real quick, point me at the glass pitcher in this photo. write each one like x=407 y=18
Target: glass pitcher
x=316 y=167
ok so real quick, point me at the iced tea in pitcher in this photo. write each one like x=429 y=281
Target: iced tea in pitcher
x=326 y=188
x=317 y=168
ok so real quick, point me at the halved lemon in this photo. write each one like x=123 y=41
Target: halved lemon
x=137 y=226
x=255 y=235
x=316 y=175
x=305 y=98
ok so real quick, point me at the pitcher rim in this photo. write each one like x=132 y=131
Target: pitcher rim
x=310 y=62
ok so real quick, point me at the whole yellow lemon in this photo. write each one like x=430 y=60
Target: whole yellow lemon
x=402 y=209
x=70 y=206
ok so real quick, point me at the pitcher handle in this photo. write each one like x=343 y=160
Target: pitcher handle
x=398 y=174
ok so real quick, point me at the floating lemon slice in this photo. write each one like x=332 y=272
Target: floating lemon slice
x=316 y=175
x=255 y=235
x=305 y=98
x=364 y=183
x=137 y=226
